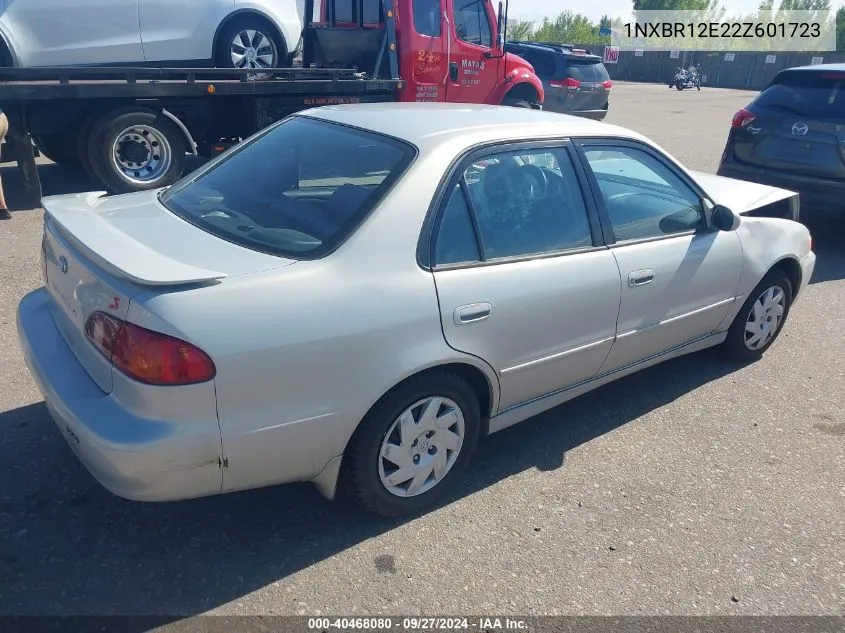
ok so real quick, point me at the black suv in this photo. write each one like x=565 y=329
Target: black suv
x=574 y=80
x=793 y=136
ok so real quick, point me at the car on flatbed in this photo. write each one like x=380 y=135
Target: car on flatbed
x=255 y=34
x=574 y=80
x=792 y=135
x=399 y=280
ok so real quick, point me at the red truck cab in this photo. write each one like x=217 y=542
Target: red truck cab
x=447 y=50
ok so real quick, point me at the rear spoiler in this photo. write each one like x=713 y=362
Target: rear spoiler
x=113 y=250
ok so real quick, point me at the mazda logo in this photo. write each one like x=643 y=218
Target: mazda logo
x=799 y=129
x=63 y=264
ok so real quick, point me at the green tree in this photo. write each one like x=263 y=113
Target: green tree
x=840 y=29
x=520 y=30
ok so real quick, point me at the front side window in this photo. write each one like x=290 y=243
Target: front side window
x=296 y=190
x=523 y=203
x=427 y=18
x=471 y=23
x=642 y=196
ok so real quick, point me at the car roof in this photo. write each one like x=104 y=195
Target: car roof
x=817 y=68
x=427 y=124
x=564 y=50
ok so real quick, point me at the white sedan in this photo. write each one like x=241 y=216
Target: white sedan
x=223 y=33
x=356 y=294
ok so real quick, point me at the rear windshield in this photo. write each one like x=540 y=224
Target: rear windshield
x=588 y=71
x=296 y=190
x=808 y=94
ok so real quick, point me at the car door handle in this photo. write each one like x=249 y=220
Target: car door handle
x=641 y=277
x=453 y=71
x=472 y=313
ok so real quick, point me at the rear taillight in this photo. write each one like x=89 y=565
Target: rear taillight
x=607 y=85
x=742 y=118
x=566 y=83
x=146 y=356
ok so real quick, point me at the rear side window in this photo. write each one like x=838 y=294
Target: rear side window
x=543 y=63
x=427 y=17
x=808 y=94
x=586 y=71
x=296 y=190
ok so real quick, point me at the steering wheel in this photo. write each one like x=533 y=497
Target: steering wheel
x=539 y=177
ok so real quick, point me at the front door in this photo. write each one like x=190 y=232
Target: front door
x=679 y=277
x=83 y=32
x=519 y=281
x=424 y=50
x=473 y=71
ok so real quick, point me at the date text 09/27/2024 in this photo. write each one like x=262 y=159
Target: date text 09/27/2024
x=480 y=624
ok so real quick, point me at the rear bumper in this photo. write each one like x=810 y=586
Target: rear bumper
x=596 y=115
x=819 y=196
x=133 y=457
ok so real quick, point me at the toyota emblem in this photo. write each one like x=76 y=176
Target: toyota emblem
x=63 y=264
x=799 y=129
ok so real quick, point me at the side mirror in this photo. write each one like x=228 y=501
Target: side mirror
x=724 y=219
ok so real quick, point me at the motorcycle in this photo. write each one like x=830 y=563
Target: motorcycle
x=686 y=79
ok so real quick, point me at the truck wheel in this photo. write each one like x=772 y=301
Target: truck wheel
x=60 y=148
x=133 y=150
x=513 y=102
x=249 y=43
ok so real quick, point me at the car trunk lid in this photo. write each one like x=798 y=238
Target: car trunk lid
x=99 y=253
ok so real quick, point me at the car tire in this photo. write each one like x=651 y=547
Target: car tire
x=62 y=149
x=223 y=54
x=148 y=131
x=365 y=472
x=741 y=344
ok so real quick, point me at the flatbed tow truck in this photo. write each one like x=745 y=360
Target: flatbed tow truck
x=132 y=128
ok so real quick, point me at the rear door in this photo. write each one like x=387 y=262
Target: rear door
x=519 y=280
x=589 y=85
x=183 y=30
x=798 y=126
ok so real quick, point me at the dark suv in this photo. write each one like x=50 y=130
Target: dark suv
x=575 y=81
x=793 y=136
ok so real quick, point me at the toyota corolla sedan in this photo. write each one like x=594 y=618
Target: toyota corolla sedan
x=355 y=295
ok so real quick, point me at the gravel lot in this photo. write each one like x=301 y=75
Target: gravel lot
x=693 y=488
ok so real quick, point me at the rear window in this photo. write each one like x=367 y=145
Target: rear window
x=296 y=190
x=818 y=95
x=588 y=71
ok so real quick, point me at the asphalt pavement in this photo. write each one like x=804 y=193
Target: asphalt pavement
x=697 y=487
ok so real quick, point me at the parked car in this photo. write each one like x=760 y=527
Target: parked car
x=223 y=33
x=263 y=322
x=575 y=81
x=792 y=135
